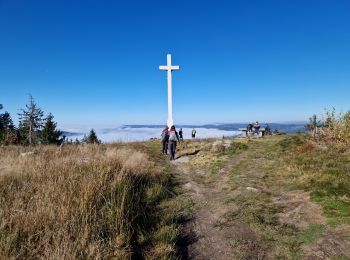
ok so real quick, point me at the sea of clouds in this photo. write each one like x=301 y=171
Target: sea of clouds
x=130 y=134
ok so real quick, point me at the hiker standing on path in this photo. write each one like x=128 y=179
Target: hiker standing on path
x=181 y=135
x=193 y=133
x=173 y=139
x=165 y=140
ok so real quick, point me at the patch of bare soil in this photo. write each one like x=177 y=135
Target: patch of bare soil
x=333 y=244
x=298 y=209
x=210 y=239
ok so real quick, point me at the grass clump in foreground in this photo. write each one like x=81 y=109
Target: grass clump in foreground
x=93 y=201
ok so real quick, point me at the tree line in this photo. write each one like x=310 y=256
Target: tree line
x=34 y=128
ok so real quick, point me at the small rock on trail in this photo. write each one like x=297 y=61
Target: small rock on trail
x=183 y=159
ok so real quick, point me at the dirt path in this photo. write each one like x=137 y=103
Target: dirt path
x=211 y=237
x=239 y=213
x=207 y=241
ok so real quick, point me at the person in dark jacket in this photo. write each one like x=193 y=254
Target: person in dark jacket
x=256 y=128
x=173 y=139
x=193 y=133
x=181 y=135
x=165 y=140
x=249 y=128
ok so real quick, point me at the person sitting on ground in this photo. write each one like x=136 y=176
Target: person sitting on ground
x=256 y=128
x=165 y=140
x=181 y=134
x=173 y=139
x=194 y=133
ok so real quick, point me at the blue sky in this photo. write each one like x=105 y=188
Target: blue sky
x=95 y=63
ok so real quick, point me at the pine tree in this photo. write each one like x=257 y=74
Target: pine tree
x=6 y=121
x=49 y=133
x=2 y=130
x=1 y=124
x=7 y=129
x=92 y=138
x=31 y=121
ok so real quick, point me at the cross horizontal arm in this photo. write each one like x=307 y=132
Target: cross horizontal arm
x=169 y=67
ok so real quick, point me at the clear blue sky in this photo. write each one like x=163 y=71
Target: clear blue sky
x=95 y=63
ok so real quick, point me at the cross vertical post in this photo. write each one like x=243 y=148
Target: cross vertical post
x=169 y=68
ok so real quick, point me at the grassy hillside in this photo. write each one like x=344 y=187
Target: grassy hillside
x=88 y=202
x=279 y=197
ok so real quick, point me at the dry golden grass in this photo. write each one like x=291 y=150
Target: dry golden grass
x=78 y=202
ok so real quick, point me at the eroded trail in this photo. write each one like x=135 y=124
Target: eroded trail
x=212 y=236
x=206 y=239
x=239 y=211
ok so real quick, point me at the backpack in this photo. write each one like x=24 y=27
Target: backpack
x=172 y=136
x=164 y=135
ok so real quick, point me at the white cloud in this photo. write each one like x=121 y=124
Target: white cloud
x=129 y=134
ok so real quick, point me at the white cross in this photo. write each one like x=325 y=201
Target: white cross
x=169 y=68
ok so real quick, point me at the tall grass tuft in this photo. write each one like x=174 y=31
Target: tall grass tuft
x=78 y=202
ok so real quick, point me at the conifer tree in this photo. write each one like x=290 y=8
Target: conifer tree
x=92 y=138
x=50 y=134
x=1 y=124
x=7 y=129
x=30 y=121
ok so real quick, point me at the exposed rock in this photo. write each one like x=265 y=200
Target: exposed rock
x=27 y=154
x=183 y=159
x=252 y=189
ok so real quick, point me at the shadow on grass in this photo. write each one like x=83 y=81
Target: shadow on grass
x=189 y=153
x=185 y=240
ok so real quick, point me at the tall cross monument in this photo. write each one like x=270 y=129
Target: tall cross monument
x=169 y=68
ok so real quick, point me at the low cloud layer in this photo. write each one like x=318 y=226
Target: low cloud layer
x=129 y=134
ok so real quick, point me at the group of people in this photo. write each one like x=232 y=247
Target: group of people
x=170 y=138
x=254 y=128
